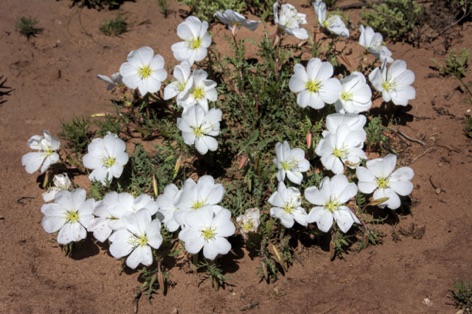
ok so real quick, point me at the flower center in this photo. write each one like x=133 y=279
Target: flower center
x=142 y=240
x=382 y=183
x=208 y=233
x=144 y=72
x=332 y=205
x=339 y=152
x=346 y=96
x=248 y=226
x=313 y=86
x=198 y=132
x=48 y=152
x=196 y=43
x=181 y=86
x=198 y=204
x=198 y=93
x=72 y=216
x=388 y=86
x=288 y=165
x=108 y=162
x=288 y=208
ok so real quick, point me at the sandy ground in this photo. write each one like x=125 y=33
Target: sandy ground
x=53 y=77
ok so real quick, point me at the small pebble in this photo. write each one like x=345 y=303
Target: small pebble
x=427 y=302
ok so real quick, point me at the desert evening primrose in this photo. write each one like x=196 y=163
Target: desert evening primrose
x=113 y=81
x=289 y=20
x=341 y=148
x=200 y=90
x=61 y=182
x=198 y=195
x=355 y=95
x=373 y=42
x=234 y=20
x=290 y=162
x=179 y=87
x=394 y=84
x=139 y=235
x=70 y=214
x=334 y=23
x=143 y=70
x=355 y=122
x=330 y=203
x=106 y=157
x=166 y=206
x=314 y=85
x=196 y=40
x=287 y=206
x=207 y=230
x=45 y=156
x=380 y=178
x=199 y=128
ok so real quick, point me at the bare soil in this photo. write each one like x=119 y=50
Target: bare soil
x=53 y=80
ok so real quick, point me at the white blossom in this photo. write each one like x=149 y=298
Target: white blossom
x=195 y=42
x=289 y=20
x=45 y=156
x=200 y=90
x=61 y=182
x=234 y=20
x=334 y=23
x=290 y=162
x=166 y=204
x=374 y=44
x=287 y=206
x=115 y=80
x=355 y=96
x=249 y=222
x=181 y=85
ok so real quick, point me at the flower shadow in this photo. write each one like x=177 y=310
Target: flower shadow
x=391 y=113
x=85 y=249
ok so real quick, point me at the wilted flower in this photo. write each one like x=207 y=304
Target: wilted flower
x=330 y=200
x=355 y=96
x=61 y=182
x=106 y=157
x=45 y=156
x=287 y=206
x=179 y=87
x=334 y=23
x=70 y=214
x=199 y=91
x=379 y=177
x=373 y=42
x=207 y=230
x=249 y=222
x=234 y=20
x=395 y=84
x=144 y=70
x=113 y=81
x=315 y=86
x=196 y=40
x=199 y=128
x=290 y=162
x=136 y=239
x=289 y=20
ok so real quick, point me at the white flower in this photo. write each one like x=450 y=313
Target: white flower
x=199 y=128
x=179 y=87
x=290 y=162
x=113 y=81
x=379 y=177
x=249 y=222
x=355 y=122
x=195 y=196
x=106 y=157
x=45 y=156
x=342 y=147
x=140 y=234
x=395 y=84
x=355 y=96
x=373 y=42
x=196 y=40
x=70 y=214
x=207 y=230
x=334 y=23
x=234 y=20
x=329 y=201
x=287 y=204
x=144 y=70
x=314 y=86
x=61 y=182
x=166 y=204
x=289 y=20
x=200 y=90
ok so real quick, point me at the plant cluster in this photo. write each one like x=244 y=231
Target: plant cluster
x=98 y=4
x=114 y=27
x=461 y=295
x=27 y=26
x=274 y=150
x=394 y=18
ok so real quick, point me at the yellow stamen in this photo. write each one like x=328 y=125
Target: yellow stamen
x=208 y=233
x=313 y=86
x=144 y=72
x=72 y=216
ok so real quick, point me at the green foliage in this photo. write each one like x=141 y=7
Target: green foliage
x=115 y=27
x=98 y=4
x=377 y=140
x=77 y=135
x=27 y=26
x=394 y=18
x=461 y=295
x=456 y=63
x=468 y=127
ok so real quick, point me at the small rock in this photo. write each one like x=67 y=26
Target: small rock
x=427 y=302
